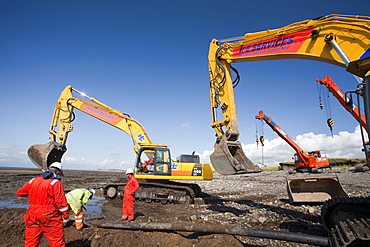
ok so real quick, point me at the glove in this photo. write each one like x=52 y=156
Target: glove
x=65 y=220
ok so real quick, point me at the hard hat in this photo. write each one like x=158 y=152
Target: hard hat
x=92 y=191
x=129 y=170
x=58 y=166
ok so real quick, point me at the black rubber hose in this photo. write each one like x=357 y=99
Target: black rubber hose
x=203 y=228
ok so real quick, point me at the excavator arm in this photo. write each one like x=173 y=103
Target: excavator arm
x=42 y=155
x=342 y=40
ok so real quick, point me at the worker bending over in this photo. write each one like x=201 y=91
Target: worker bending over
x=128 y=211
x=76 y=199
x=47 y=207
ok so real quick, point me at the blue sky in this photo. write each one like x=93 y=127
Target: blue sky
x=149 y=59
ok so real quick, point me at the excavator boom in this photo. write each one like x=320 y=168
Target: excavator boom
x=42 y=155
x=342 y=40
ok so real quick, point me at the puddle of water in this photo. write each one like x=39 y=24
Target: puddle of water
x=8 y=203
x=92 y=207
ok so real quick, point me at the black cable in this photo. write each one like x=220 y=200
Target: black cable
x=361 y=129
x=220 y=66
x=237 y=78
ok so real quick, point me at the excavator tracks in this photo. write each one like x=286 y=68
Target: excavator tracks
x=351 y=233
x=347 y=221
x=157 y=191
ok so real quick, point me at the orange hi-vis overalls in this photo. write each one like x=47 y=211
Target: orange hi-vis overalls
x=131 y=187
x=48 y=207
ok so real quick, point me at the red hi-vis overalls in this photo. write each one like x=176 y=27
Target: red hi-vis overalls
x=48 y=207
x=128 y=198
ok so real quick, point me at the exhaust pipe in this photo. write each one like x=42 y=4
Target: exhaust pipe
x=43 y=155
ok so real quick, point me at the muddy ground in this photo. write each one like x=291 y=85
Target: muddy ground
x=252 y=201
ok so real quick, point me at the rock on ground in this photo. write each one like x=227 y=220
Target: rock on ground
x=257 y=201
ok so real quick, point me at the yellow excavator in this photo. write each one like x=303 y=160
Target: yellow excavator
x=155 y=177
x=342 y=40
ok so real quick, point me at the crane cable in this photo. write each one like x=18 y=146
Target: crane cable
x=260 y=136
x=256 y=135
x=325 y=95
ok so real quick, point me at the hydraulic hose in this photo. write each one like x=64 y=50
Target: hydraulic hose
x=204 y=228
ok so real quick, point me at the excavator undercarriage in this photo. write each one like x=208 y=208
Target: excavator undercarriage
x=347 y=221
x=157 y=191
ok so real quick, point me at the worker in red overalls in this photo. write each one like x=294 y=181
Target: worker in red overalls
x=48 y=209
x=131 y=187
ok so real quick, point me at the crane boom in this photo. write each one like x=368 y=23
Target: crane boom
x=343 y=100
x=305 y=161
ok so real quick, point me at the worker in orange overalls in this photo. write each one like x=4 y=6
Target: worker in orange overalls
x=131 y=187
x=48 y=208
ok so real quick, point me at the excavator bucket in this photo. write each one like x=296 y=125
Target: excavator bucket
x=228 y=158
x=314 y=189
x=43 y=155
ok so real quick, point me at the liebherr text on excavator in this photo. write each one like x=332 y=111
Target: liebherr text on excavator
x=342 y=40
x=154 y=176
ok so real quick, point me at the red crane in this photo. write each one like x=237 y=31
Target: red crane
x=310 y=162
x=343 y=100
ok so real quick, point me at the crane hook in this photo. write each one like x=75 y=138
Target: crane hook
x=330 y=123
x=262 y=139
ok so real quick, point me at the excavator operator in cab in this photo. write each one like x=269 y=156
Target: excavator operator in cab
x=148 y=165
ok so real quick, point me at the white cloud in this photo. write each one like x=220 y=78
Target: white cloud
x=204 y=157
x=343 y=145
x=14 y=155
x=185 y=125
x=83 y=163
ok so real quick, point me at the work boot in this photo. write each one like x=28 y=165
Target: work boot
x=79 y=225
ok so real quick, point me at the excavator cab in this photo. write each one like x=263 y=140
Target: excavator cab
x=156 y=161
x=43 y=155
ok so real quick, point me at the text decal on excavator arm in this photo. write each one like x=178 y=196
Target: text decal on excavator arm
x=101 y=114
x=283 y=44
